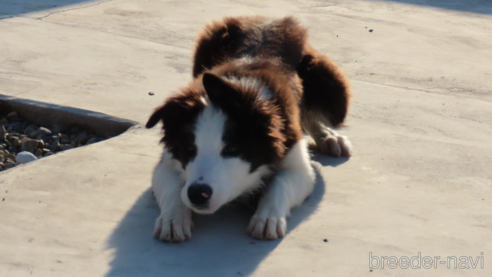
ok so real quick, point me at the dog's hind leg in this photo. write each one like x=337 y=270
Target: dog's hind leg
x=325 y=102
x=289 y=188
x=174 y=223
x=327 y=140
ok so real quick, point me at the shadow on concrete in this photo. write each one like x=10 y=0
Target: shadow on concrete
x=325 y=160
x=219 y=247
x=11 y=8
x=474 y=6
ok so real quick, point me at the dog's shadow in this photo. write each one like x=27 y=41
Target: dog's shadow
x=219 y=247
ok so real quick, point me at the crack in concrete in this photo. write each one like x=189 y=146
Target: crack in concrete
x=76 y=8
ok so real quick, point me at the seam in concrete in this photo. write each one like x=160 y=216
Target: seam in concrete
x=76 y=8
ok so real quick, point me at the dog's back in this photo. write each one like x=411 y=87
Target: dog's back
x=257 y=37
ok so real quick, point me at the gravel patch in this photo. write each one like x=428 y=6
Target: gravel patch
x=23 y=142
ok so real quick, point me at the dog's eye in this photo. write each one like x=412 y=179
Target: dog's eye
x=190 y=148
x=231 y=150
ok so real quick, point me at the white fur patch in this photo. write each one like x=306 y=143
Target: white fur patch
x=174 y=222
x=204 y=101
x=289 y=188
x=228 y=177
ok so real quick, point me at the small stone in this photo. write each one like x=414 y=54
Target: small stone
x=3 y=133
x=2 y=166
x=30 y=129
x=16 y=142
x=55 y=146
x=10 y=157
x=20 y=126
x=64 y=139
x=151 y=93
x=57 y=128
x=30 y=145
x=80 y=138
x=45 y=150
x=39 y=152
x=12 y=114
x=64 y=147
x=92 y=140
x=370 y=30
x=44 y=131
x=25 y=157
x=40 y=144
x=9 y=165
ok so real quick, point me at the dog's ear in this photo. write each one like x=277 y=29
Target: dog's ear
x=157 y=116
x=177 y=110
x=220 y=92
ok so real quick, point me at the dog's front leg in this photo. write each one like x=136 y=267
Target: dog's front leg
x=174 y=224
x=289 y=188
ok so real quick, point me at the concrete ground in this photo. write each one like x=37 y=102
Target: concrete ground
x=419 y=181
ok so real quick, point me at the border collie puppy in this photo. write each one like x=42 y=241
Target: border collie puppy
x=238 y=127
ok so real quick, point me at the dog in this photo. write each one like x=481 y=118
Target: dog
x=237 y=128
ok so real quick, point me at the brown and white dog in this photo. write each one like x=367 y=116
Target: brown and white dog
x=238 y=127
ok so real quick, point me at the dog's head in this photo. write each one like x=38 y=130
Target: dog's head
x=224 y=136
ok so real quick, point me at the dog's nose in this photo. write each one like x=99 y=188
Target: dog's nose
x=199 y=194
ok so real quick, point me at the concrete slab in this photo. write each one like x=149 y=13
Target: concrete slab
x=421 y=122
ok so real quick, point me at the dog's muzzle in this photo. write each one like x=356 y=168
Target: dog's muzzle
x=199 y=195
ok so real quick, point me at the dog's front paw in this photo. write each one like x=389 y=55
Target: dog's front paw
x=173 y=228
x=333 y=144
x=267 y=227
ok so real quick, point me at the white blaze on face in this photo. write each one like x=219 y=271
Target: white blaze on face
x=228 y=177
